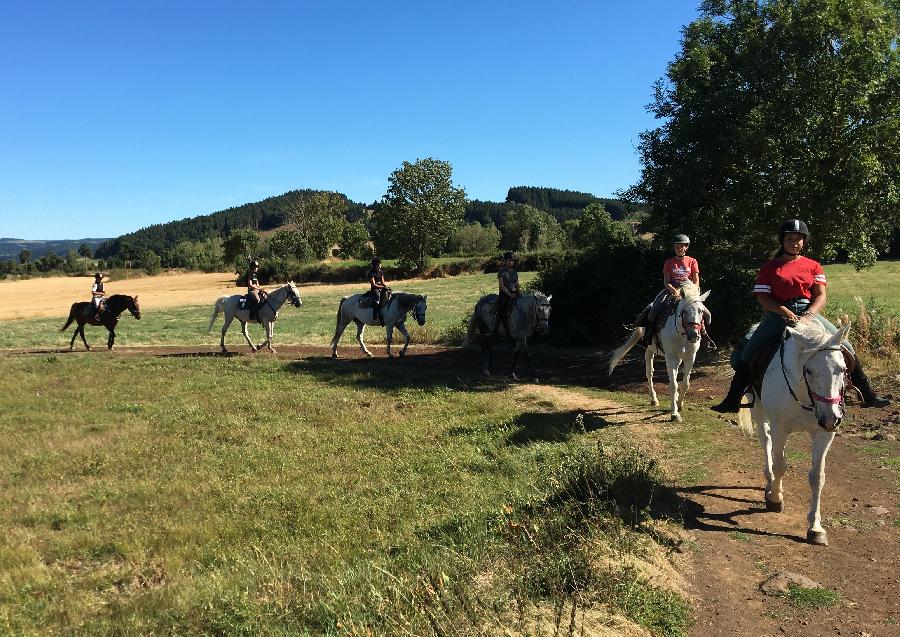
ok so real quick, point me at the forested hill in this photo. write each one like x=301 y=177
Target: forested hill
x=261 y=215
x=10 y=249
x=562 y=204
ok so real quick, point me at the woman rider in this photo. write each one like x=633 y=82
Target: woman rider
x=677 y=271
x=97 y=294
x=508 y=283
x=377 y=287
x=254 y=289
x=791 y=288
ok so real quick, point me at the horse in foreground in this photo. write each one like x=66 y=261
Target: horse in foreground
x=83 y=313
x=530 y=313
x=810 y=365
x=394 y=313
x=678 y=340
x=266 y=313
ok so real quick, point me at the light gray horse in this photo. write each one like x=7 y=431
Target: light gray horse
x=530 y=314
x=266 y=313
x=678 y=341
x=394 y=313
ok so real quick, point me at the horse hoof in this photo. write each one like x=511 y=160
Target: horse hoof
x=334 y=355
x=536 y=380
x=369 y=354
x=820 y=538
x=654 y=403
x=272 y=351
x=774 y=507
x=676 y=418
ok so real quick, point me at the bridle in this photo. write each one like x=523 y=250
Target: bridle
x=420 y=317
x=685 y=324
x=295 y=298
x=542 y=318
x=813 y=396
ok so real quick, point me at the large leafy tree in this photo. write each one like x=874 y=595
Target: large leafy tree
x=420 y=210
x=777 y=109
x=319 y=220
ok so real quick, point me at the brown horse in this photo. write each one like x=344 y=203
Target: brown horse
x=83 y=313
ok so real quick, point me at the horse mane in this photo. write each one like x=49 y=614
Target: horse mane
x=406 y=301
x=811 y=335
x=690 y=291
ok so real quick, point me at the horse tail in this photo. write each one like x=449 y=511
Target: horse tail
x=473 y=326
x=339 y=312
x=616 y=356
x=745 y=417
x=71 y=318
x=219 y=306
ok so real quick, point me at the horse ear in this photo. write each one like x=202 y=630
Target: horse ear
x=842 y=333
x=705 y=295
x=425 y=298
x=549 y=297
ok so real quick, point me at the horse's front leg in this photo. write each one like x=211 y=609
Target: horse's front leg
x=515 y=359
x=528 y=358
x=673 y=362
x=402 y=329
x=111 y=340
x=685 y=383
x=270 y=335
x=776 y=466
x=246 y=334
x=821 y=443
x=648 y=365
x=486 y=355
x=360 y=331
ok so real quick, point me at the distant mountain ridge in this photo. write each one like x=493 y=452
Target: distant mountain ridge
x=10 y=248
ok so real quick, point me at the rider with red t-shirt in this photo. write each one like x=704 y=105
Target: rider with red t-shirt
x=791 y=288
x=677 y=271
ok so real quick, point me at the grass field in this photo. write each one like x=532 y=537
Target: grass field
x=449 y=301
x=206 y=495
x=881 y=281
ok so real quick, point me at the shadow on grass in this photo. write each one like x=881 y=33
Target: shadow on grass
x=556 y=426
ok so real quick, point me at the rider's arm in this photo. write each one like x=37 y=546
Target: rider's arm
x=374 y=284
x=503 y=287
x=818 y=300
x=667 y=280
x=770 y=304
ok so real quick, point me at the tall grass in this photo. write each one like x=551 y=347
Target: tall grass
x=875 y=325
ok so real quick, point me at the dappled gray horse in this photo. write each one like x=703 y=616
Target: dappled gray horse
x=394 y=313
x=530 y=313
x=266 y=313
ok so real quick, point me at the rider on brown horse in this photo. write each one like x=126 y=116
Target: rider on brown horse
x=97 y=294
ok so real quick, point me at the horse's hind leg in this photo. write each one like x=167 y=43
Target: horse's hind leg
x=338 y=332
x=486 y=356
x=227 y=322
x=821 y=442
x=83 y=339
x=74 y=336
x=648 y=365
x=246 y=334
x=111 y=340
x=360 y=332
x=390 y=339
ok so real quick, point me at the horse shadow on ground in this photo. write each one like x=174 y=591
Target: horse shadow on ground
x=200 y=355
x=446 y=369
x=677 y=503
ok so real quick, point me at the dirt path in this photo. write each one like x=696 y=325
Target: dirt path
x=738 y=544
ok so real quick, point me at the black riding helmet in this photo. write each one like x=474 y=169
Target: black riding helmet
x=507 y=256
x=681 y=238
x=98 y=276
x=376 y=262
x=254 y=263
x=792 y=225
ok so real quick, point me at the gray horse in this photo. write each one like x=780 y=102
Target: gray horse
x=530 y=314
x=394 y=313
x=266 y=313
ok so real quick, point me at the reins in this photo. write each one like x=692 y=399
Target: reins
x=813 y=396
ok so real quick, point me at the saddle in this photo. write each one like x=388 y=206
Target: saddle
x=660 y=322
x=89 y=310
x=367 y=300
x=760 y=363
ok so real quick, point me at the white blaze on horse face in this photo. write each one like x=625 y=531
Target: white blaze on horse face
x=825 y=377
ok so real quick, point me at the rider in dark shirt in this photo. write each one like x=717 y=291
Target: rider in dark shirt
x=508 y=280
x=378 y=287
x=254 y=289
x=97 y=294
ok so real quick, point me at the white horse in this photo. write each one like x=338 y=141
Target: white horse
x=809 y=365
x=679 y=340
x=394 y=313
x=530 y=314
x=266 y=313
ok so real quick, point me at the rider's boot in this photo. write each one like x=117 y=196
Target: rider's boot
x=861 y=382
x=732 y=402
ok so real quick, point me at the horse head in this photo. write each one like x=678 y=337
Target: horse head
x=293 y=294
x=542 y=312
x=134 y=307
x=420 y=308
x=824 y=370
x=694 y=314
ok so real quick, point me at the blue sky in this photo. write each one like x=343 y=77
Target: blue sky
x=118 y=115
